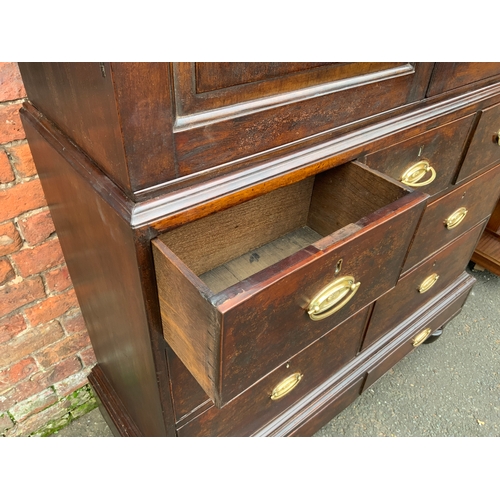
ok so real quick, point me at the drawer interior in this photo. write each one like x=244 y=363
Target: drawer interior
x=227 y=247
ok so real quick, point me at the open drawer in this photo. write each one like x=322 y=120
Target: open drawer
x=243 y=290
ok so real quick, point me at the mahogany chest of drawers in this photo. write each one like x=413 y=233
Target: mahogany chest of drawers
x=254 y=244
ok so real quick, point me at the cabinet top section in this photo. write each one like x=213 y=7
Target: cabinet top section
x=151 y=125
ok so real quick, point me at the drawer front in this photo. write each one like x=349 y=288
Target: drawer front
x=256 y=406
x=444 y=220
x=484 y=150
x=427 y=162
x=406 y=343
x=232 y=337
x=421 y=285
x=274 y=319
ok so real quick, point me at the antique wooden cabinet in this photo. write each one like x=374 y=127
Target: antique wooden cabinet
x=254 y=244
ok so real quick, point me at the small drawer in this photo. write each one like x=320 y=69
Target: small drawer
x=427 y=162
x=450 y=216
x=416 y=335
x=484 y=150
x=421 y=285
x=285 y=386
x=243 y=290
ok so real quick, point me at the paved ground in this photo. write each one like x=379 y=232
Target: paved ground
x=448 y=388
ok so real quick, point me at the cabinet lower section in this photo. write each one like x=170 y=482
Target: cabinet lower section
x=320 y=395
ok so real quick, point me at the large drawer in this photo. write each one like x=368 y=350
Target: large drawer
x=454 y=213
x=428 y=162
x=283 y=387
x=421 y=285
x=243 y=290
x=484 y=150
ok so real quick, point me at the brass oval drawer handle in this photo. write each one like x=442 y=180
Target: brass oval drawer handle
x=412 y=177
x=332 y=298
x=286 y=385
x=428 y=283
x=455 y=218
x=421 y=337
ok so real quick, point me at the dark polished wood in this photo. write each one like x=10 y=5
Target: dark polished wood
x=405 y=344
x=442 y=148
x=484 y=150
x=221 y=337
x=315 y=364
x=449 y=76
x=201 y=206
x=477 y=196
x=407 y=296
x=94 y=236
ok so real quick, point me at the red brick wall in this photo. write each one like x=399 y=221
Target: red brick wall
x=45 y=352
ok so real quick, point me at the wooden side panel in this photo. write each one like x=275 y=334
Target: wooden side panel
x=146 y=119
x=119 y=114
x=79 y=98
x=100 y=249
x=191 y=325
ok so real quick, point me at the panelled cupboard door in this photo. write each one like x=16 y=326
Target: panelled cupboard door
x=227 y=111
x=450 y=76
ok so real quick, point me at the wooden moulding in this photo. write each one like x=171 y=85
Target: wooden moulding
x=316 y=409
x=209 y=329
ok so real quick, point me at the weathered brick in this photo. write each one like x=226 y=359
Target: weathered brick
x=58 y=372
x=88 y=357
x=55 y=416
x=20 y=198
x=40 y=258
x=68 y=346
x=36 y=228
x=6 y=271
x=74 y=323
x=11 y=84
x=30 y=342
x=6 y=172
x=33 y=404
x=72 y=383
x=22 y=160
x=11 y=128
x=10 y=239
x=11 y=326
x=58 y=280
x=19 y=392
x=15 y=295
x=5 y=423
x=51 y=308
x=17 y=372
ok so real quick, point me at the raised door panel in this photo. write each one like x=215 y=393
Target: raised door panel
x=228 y=111
x=450 y=76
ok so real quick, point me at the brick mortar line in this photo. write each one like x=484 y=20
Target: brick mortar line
x=13 y=144
x=19 y=100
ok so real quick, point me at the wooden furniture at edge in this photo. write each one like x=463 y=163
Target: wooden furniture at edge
x=254 y=244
